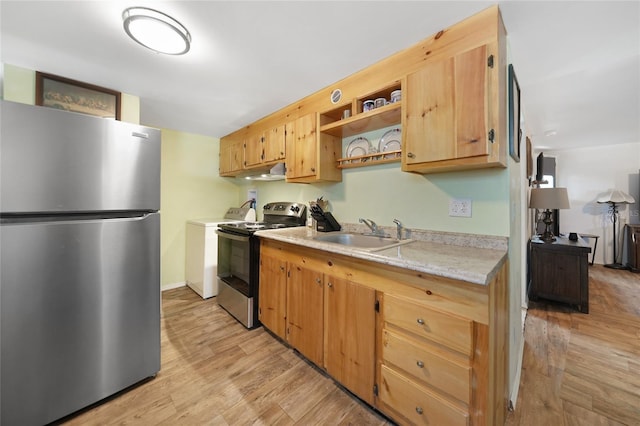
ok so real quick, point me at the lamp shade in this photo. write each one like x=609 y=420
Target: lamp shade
x=549 y=198
x=616 y=196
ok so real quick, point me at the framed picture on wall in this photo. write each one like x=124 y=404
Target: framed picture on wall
x=70 y=95
x=529 y=153
x=515 y=133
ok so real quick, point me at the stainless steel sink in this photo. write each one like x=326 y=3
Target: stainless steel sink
x=360 y=241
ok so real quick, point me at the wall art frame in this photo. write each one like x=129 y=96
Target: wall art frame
x=71 y=95
x=515 y=132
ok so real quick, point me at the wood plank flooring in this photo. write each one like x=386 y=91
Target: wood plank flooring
x=216 y=372
x=577 y=369
x=583 y=369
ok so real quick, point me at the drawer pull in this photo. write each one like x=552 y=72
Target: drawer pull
x=420 y=321
x=419 y=410
x=420 y=364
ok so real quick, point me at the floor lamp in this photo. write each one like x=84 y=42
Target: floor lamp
x=613 y=198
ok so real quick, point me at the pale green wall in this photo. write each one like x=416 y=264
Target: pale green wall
x=383 y=193
x=191 y=189
x=19 y=84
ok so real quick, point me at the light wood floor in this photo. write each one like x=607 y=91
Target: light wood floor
x=577 y=369
x=583 y=369
x=216 y=372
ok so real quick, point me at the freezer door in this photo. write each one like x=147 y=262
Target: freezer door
x=57 y=161
x=80 y=313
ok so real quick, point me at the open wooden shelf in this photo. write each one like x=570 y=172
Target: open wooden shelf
x=370 y=159
x=378 y=118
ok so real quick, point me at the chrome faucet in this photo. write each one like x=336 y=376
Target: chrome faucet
x=371 y=225
x=399 y=228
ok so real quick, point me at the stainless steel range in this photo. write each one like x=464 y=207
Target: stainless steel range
x=239 y=259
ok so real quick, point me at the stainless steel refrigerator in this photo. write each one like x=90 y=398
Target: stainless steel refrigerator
x=79 y=260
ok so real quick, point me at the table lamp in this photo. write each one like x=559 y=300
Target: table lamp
x=612 y=198
x=548 y=199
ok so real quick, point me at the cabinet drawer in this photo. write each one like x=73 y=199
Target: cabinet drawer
x=416 y=403
x=446 y=329
x=427 y=365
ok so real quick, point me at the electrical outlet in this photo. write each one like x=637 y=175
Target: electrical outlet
x=460 y=207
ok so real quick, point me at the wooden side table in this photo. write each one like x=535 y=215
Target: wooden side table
x=560 y=271
x=595 y=244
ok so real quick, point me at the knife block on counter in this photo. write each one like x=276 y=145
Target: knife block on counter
x=325 y=222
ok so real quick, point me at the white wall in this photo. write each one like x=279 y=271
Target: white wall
x=589 y=172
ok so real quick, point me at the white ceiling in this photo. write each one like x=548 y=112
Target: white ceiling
x=577 y=62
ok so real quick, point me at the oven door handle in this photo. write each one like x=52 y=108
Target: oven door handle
x=235 y=237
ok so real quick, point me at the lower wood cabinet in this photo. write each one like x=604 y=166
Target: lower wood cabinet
x=305 y=311
x=426 y=371
x=273 y=294
x=350 y=325
x=421 y=349
x=427 y=364
x=417 y=404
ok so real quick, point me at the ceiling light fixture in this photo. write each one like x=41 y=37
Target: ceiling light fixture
x=156 y=30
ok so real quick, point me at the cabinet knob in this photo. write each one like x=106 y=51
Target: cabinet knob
x=329 y=284
x=313 y=169
x=318 y=280
x=420 y=321
x=410 y=154
x=282 y=268
x=419 y=410
x=420 y=364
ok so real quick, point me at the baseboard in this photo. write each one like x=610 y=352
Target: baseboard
x=171 y=286
x=515 y=386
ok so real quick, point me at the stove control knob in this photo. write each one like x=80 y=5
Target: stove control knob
x=295 y=209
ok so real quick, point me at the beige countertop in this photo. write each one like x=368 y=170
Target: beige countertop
x=467 y=257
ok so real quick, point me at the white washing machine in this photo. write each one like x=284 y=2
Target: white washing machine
x=202 y=250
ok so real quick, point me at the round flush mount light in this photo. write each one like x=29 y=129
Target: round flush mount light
x=156 y=30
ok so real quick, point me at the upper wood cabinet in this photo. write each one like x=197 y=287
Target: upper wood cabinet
x=449 y=118
x=452 y=115
x=265 y=147
x=253 y=150
x=231 y=152
x=446 y=109
x=311 y=157
x=275 y=143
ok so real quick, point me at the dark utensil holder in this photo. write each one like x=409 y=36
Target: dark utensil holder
x=325 y=222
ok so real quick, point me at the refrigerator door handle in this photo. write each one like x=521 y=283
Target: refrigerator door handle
x=140 y=135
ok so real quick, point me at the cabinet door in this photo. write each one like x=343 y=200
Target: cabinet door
x=273 y=294
x=274 y=144
x=302 y=148
x=350 y=335
x=556 y=275
x=446 y=109
x=231 y=154
x=253 y=150
x=305 y=312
